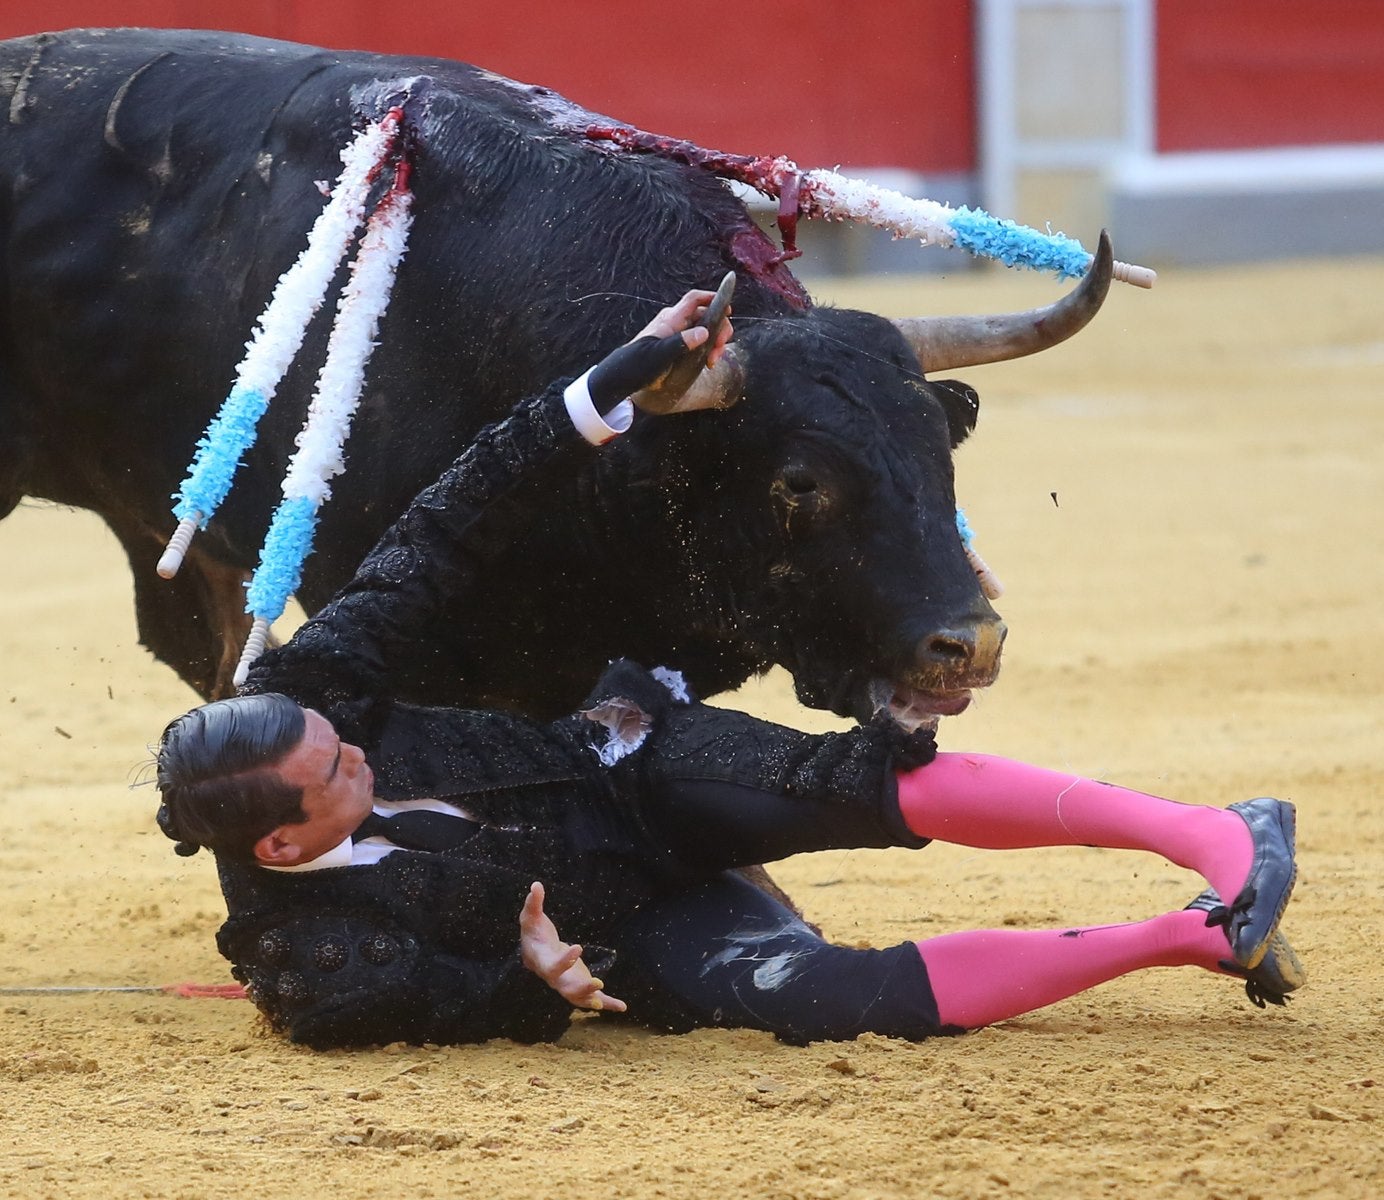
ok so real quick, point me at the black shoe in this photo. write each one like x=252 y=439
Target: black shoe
x=1279 y=972
x=1258 y=908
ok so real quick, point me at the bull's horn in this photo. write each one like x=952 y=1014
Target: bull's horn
x=691 y=385
x=942 y=343
x=715 y=387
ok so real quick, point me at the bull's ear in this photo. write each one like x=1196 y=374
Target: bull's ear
x=961 y=402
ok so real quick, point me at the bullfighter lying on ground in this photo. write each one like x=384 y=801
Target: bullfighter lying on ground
x=379 y=860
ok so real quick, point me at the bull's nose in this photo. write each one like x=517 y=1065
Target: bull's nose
x=963 y=648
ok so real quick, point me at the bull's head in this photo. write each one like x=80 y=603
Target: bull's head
x=828 y=492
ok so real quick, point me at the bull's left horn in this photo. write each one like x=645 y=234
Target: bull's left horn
x=942 y=343
x=714 y=387
x=691 y=384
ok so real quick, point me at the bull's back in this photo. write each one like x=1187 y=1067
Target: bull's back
x=152 y=181
x=133 y=202
x=156 y=183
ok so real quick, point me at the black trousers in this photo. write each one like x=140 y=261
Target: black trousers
x=721 y=791
x=724 y=953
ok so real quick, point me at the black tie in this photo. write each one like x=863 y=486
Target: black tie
x=418 y=829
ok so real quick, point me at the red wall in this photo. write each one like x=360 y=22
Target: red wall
x=1234 y=74
x=892 y=82
x=887 y=82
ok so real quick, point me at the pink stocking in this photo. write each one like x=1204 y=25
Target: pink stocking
x=989 y=975
x=998 y=804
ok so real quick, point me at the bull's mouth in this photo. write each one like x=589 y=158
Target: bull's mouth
x=916 y=703
x=915 y=708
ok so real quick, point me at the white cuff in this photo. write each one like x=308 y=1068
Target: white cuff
x=595 y=428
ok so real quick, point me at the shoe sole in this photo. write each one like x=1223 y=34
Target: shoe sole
x=1289 y=974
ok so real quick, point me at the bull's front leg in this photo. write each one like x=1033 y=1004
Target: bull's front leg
x=195 y=622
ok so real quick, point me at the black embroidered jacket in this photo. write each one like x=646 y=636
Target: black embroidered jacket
x=424 y=947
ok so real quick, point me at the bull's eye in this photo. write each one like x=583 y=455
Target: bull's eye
x=798 y=495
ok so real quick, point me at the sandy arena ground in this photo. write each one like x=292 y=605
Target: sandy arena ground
x=1186 y=506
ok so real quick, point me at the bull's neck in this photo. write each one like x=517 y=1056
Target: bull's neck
x=687 y=604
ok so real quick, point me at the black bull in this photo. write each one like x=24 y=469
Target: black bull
x=153 y=186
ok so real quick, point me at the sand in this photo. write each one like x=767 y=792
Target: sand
x=1185 y=505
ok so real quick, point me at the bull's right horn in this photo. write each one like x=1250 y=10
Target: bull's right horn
x=942 y=343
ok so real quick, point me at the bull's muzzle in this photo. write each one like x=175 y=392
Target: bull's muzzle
x=965 y=653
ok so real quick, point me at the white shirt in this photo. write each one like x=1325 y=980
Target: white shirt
x=595 y=428
x=370 y=850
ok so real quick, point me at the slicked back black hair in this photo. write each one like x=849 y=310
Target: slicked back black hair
x=216 y=776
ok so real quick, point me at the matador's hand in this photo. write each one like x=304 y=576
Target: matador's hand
x=672 y=337
x=559 y=965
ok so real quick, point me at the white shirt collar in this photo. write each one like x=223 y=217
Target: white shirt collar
x=369 y=850
x=338 y=856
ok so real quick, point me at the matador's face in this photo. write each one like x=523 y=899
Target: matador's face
x=338 y=792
